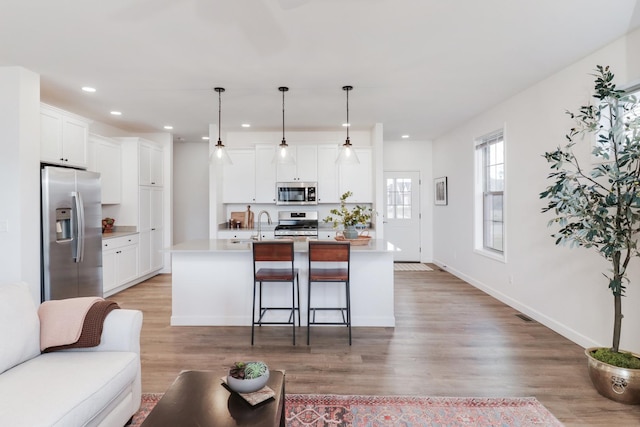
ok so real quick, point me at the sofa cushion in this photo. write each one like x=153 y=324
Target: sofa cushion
x=64 y=388
x=19 y=325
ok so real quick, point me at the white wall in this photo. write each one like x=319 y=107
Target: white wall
x=191 y=198
x=405 y=156
x=560 y=287
x=20 y=178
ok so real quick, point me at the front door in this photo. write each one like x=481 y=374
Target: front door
x=402 y=214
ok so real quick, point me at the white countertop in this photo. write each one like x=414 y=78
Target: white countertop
x=115 y=234
x=243 y=245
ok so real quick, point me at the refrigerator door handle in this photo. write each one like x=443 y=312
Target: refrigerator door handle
x=79 y=216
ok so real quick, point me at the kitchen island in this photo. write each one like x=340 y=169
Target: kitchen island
x=213 y=284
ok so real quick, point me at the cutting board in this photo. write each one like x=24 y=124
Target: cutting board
x=240 y=217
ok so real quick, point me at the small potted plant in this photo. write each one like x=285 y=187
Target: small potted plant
x=247 y=377
x=107 y=225
x=600 y=209
x=349 y=218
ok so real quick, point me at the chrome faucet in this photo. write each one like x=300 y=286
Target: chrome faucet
x=260 y=223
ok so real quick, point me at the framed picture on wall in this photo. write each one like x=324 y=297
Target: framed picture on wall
x=440 y=190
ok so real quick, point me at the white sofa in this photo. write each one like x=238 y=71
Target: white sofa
x=98 y=386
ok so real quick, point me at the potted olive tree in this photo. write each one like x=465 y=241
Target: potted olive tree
x=600 y=209
x=349 y=218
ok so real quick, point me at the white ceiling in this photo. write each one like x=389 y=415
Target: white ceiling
x=417 y=66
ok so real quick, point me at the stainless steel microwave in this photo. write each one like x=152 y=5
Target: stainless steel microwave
x=296 y=193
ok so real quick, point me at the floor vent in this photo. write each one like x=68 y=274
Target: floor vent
x=524 y=317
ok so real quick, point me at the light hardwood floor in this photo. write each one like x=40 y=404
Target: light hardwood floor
x=450 y=339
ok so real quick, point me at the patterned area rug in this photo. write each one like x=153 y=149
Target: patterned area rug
x=411 y=266
x=318 y=410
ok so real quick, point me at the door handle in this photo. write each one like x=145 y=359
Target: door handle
x=80 y=231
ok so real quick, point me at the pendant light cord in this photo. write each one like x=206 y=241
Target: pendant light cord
x=348 y=123
x=219 y=90
x=347 y=89
x=283 y=89
x=220 y=114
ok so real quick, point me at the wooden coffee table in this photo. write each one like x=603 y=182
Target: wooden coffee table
x=198 y=398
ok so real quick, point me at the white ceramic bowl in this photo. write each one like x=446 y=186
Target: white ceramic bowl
x=247 y=386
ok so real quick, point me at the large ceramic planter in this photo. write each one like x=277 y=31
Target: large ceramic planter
x=618 y=384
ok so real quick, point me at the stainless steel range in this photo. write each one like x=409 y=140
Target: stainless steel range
x=297 y=224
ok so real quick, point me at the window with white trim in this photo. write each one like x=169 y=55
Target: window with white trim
x=490 y=185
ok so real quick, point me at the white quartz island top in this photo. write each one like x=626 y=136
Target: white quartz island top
x=228 y=245
x=212 y=283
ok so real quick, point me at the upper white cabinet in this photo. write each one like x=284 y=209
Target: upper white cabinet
x=151 y=169
x=104 y=156
x=358 y=178
x=239 y=180
x=265 y=179
x=251 y=177
x=305 y=168
x=328 y=174
x=63 y=137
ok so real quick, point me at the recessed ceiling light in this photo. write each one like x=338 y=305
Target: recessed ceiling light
x=168 y=127
x=89 y=89
x=405 y=136
x=246 y=125
x=116 y=113
x=346 y=125
x=206 y=138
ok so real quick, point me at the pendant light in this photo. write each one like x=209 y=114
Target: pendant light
x=220 y=154
x=347 y=155
x=283 y=153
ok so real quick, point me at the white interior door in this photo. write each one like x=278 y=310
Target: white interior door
x=402 y=214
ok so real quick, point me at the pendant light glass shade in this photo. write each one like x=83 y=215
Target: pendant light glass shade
x=347 y=155
x=283 y=153
x=219 y=153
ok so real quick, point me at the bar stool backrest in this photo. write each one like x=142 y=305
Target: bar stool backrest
x=329 y=251
x=273 y=251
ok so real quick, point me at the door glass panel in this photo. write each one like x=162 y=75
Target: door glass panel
x=398 y=198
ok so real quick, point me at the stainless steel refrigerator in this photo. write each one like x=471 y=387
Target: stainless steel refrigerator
x=71 y=233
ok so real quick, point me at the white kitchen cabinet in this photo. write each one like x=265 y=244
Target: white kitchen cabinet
x=151 y=255
x=235 y=234
x=330 y=233
x=305 y=168
x=143 y=205
x=150 y=225
x=104 y=157
x=119 y=262
x=151 y=169
x=239 y=178
x=358 y=178
x=265 y=179
x=328 y=191
x=245 y=234
x=63 y=137
x=145 y=253
x=150 y=203
x=156 y=245
x=252 y=176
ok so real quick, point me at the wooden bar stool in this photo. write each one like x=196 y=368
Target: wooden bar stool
x=329 y=262
x=280 y=253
